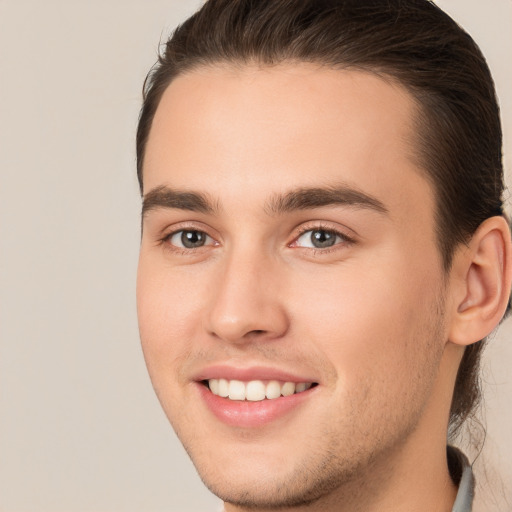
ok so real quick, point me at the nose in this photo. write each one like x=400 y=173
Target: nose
x=247 y=303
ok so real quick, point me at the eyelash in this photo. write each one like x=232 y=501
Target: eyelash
x=166 y=240
x=345 y=239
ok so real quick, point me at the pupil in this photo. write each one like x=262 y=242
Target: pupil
x=322 y=238
x=191 y=239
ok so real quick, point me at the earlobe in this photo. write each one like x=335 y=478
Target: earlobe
x=484 y=274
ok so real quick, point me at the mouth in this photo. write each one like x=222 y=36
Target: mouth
x=254 y=396
x=255 y=390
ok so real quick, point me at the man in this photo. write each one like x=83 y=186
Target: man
x=323 y=251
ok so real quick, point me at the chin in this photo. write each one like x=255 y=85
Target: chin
x=266 y=479
x=294 y=491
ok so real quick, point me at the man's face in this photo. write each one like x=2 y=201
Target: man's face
x=289 y=237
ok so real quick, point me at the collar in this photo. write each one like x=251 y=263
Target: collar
x=462 y=475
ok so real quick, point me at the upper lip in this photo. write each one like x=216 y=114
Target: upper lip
x=230 y=372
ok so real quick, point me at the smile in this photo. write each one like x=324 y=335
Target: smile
x=255 y=390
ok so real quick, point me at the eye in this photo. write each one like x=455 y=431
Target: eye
x=319 y=238
x=189 y=239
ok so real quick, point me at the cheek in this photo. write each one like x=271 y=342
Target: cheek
x=370 y=322
x=166 y=331
x=165 y=309
x=383 y=342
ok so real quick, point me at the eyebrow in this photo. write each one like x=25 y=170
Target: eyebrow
x=165 y=197
x=299 y=199
x=309 y=198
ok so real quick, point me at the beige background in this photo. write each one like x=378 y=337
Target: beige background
x=80 y=429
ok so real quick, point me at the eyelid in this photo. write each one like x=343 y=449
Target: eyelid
x=347 y=239
x=208 y=239
x=170 y=231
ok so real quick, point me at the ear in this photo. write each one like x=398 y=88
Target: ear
x=481 y=279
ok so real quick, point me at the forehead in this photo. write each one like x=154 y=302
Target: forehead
x=228 y=129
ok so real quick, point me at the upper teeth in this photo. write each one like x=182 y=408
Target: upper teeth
x=255 y=390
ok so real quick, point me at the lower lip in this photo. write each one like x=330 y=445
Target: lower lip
x=247 y=414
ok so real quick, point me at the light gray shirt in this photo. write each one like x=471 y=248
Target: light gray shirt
x=462 y=475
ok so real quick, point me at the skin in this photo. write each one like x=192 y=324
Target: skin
x=368 y=318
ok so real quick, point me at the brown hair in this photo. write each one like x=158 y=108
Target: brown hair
x=412 y=41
